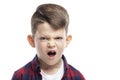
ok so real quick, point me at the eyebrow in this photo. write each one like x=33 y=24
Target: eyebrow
x=46 y=35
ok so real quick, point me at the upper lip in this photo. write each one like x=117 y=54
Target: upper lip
x=51 y=51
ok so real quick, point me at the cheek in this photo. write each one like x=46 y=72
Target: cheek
x=61 y=44
x=40 y=46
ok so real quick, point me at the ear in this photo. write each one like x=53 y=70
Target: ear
x=31 y=40
x=68 y=40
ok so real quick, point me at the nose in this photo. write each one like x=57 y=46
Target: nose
x=51 y=43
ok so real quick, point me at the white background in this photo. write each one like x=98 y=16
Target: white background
x=94 y=25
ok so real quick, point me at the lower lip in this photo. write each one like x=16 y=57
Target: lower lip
x=51 y=56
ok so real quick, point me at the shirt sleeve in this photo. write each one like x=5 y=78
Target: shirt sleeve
x=16 y=76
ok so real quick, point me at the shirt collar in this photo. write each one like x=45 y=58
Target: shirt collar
x=66 y=65
x=35 y=64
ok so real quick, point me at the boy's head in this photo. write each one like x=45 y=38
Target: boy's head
x=53 y=14
x=49 y=33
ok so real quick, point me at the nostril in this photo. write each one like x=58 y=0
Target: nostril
x=51 y=44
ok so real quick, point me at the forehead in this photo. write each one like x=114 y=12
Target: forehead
x=46 y=29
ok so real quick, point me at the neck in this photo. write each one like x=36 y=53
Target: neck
x=50 y=69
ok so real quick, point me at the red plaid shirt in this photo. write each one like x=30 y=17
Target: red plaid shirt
x=31 y=71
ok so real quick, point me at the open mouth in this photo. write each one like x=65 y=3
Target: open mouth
x=51 y=53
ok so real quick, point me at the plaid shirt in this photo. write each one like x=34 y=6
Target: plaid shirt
x=31 y=71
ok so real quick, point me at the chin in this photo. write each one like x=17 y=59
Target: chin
x=52 y=63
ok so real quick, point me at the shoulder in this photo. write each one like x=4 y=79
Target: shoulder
x=76 y=74
x=25 y=70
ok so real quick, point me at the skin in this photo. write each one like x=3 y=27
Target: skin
x=48 y=39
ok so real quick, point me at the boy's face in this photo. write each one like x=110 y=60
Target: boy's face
x=49 y=43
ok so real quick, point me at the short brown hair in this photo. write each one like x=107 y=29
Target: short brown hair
x=53 y=14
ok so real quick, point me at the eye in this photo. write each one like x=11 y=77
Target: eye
x=43 y=38
x=59 y=38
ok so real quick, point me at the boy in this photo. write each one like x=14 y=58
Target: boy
x=49 y=27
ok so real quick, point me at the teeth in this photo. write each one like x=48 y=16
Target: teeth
x=51 y=53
